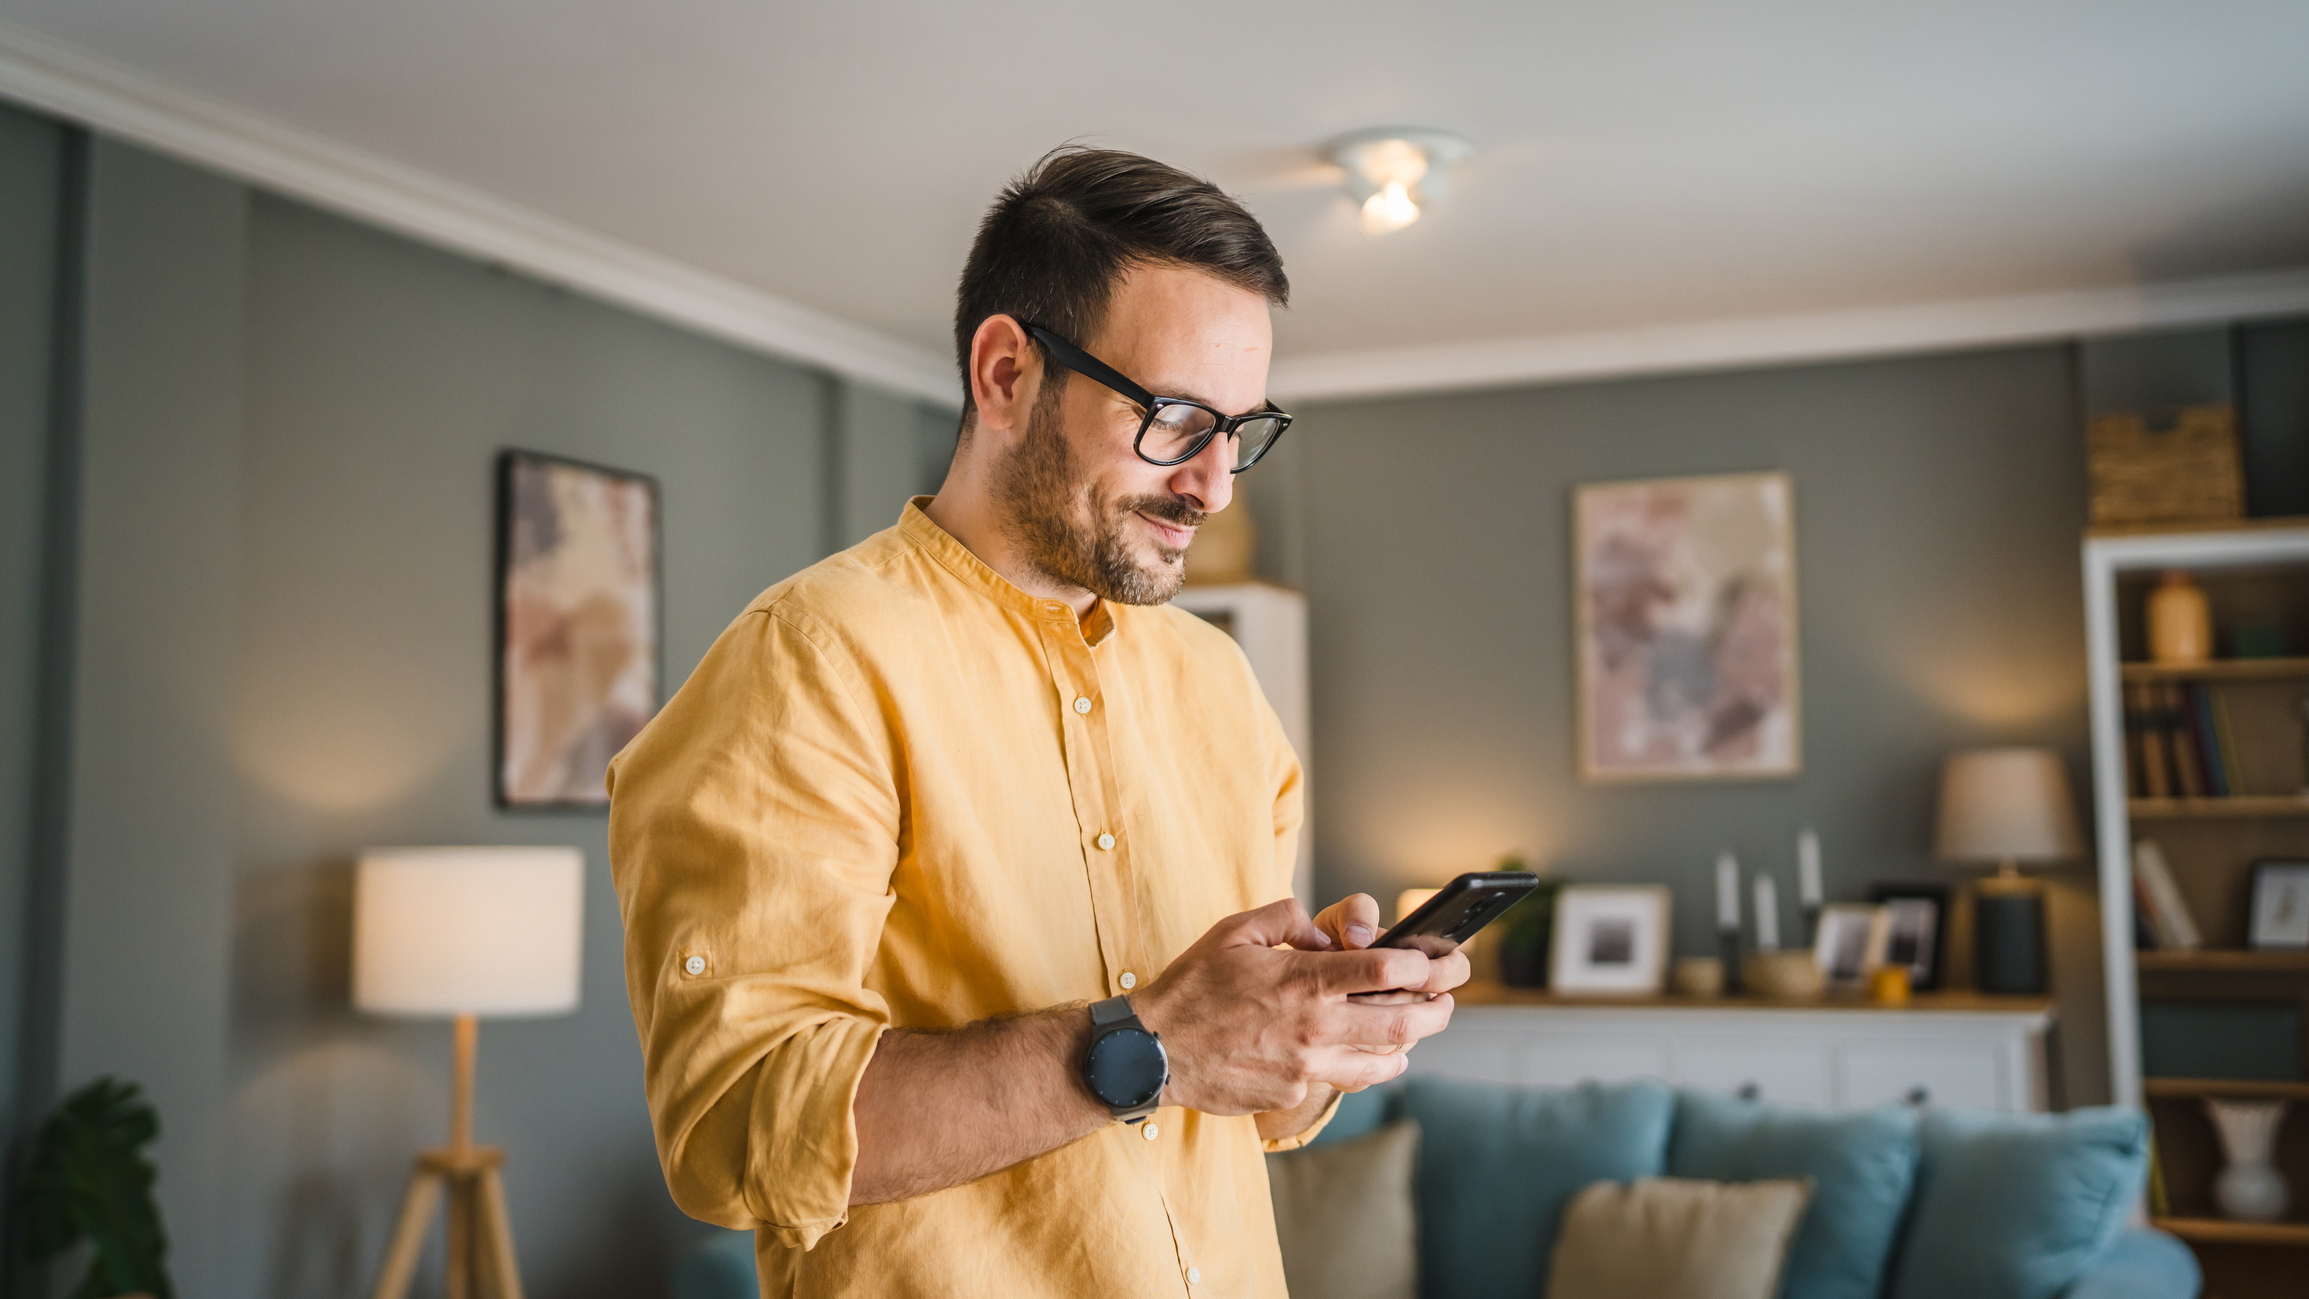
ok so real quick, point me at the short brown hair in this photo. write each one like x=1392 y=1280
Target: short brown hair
x=1059 y=237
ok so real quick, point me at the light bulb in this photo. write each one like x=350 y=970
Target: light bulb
x=1390 y=209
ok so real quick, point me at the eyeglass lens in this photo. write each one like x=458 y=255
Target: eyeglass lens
x=1177 y=431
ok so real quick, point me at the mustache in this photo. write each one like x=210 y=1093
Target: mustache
x=1170 y=509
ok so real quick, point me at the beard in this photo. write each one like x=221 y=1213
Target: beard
x=1044 y=488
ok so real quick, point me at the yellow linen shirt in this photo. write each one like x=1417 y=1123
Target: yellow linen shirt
x=901 y=792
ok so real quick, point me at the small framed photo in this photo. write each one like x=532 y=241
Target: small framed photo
x=1610 y=939
x=2279 y=917
x=1851 y=942
x=1917 y=932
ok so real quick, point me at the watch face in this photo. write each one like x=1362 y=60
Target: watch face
x=1126 y=1068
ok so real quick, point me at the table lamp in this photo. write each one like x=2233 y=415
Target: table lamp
x=461 y=933
x=2007 y=806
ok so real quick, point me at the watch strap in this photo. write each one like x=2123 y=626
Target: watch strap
x=1114 y=1010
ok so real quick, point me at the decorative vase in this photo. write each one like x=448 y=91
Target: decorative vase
x=1698 y=976
x=2180 y=621
x=2250 y=1188
x=1783 y=976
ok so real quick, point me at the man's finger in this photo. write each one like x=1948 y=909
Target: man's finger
x=1352 y=921
x=1275 y=925
x=1397 y=1025
x=1374 y=969
x=1351 y=1071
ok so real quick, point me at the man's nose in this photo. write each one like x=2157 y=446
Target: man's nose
x=1208 y=480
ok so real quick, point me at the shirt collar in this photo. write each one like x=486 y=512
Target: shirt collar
x=925 y=535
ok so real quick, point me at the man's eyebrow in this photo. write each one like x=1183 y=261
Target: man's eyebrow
x=1265 y=403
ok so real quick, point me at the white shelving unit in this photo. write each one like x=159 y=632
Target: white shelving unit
x=2107 y=560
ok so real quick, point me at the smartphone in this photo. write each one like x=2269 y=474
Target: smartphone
x=1457 y=910
x=1451 y=917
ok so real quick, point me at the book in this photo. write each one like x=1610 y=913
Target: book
x=2148 y=750
x=2200 y=701
x=2144 y=918
x=2173 y=726
x=2225 y=739
x=2176 y=928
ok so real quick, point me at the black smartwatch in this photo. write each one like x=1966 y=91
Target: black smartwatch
x=1125 y=1067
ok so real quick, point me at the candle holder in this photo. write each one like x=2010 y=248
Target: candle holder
x=1728 y=943
x=1811 y=914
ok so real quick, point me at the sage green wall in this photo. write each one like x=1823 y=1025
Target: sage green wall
x=383 y=379
x=1939 y=503
x=279 y=647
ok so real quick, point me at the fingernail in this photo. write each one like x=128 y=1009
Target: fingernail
x=1359 y=934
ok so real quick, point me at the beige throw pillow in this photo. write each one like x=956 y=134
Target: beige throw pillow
x=1343 y=1214
x=1676 y=1238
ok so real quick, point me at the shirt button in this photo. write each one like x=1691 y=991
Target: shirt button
x=694 y=965
x=1106 y=843
x=1194 y=1276
x=1128 y=981
x=1149 y=1130
x=1082 y=703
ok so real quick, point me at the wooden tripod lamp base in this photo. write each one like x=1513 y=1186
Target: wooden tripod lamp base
x=481 y=1261
x=464 y=932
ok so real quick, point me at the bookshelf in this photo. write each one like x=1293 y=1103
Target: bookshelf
x=2243 y=715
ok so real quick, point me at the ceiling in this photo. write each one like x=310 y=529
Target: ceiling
x=1640 y=165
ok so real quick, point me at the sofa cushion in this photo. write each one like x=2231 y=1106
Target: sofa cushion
x=1497 y=1166
x=1676 y=1238
x=1344 y=1217
x=2018 y=1206
x=1863 y=1166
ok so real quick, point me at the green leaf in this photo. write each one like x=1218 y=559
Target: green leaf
x=89 y=1180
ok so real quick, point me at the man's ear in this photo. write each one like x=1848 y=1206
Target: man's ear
x=1005 y=375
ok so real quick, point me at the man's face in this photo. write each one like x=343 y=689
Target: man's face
x=1082 y=507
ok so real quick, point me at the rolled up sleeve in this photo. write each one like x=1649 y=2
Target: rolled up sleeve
x=753 y=833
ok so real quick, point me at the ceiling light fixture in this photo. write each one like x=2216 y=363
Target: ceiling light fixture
x=1392 y=170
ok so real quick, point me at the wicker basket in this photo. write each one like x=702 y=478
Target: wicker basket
x=2191 y=470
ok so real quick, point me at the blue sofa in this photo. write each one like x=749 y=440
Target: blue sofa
x=1905 y=1205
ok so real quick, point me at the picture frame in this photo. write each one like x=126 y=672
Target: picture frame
x=1850 y=943
x=1684 y=593
x=1610 y=939
x=1916 y=933
x=2278 y=917
x=579 y=626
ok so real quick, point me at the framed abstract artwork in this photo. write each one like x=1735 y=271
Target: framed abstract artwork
x=579 y=658
x=1686 y=622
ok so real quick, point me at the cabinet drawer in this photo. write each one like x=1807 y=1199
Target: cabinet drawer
x=1954 y=1075
x=1567 y=1059
x=1784 y=1073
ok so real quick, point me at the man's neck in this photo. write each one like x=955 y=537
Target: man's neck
x=967 y=513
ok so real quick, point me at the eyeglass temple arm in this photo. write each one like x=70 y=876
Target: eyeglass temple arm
x=1083 y=363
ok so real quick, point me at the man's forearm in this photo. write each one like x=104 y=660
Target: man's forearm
x=939 y=1109
x=1274 y=1125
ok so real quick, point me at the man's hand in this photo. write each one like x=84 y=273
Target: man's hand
x=1353 y=923
x=1251 y=1028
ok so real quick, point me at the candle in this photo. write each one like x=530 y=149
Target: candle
x=1767 y=915
x=1808 y=869
x=1727 y=892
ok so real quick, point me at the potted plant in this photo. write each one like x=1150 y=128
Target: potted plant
x=1527 y=932
x=89 y=1180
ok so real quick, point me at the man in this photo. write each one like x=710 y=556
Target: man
x=948 y=833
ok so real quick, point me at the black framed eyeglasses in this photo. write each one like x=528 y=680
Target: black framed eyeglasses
x=1174 y=429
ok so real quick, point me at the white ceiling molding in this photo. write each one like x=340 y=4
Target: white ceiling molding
x=1781 y=340
x=70 y=84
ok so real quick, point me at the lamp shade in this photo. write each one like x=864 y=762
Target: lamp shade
x=467 y=931
x=2001 y=805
